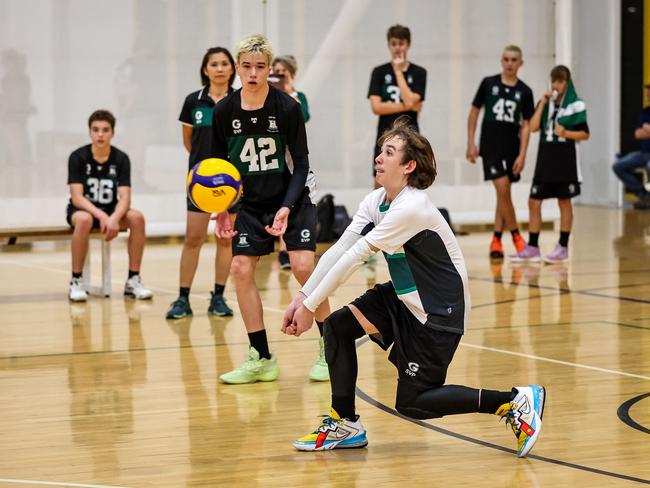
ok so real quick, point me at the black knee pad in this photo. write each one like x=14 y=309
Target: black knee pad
x=339 y=328
x=406 y=403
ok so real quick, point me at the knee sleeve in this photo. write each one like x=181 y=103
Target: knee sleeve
x=339 y=328
x=406 y=403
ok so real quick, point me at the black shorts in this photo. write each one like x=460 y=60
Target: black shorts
x=253 y=240
x=543 y=190
x=494 y=168
x=193 y=208
x=420 y=354
x=72 y=209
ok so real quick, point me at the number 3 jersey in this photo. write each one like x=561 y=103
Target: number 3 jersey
x=262 y=144
x=505 y=108
x=100 y=180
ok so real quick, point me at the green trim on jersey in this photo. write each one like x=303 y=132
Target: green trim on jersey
x=257 y=154
x=384 y=206
x=202 y=116
x=400 y=273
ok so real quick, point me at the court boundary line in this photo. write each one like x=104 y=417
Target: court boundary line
x=57 y=483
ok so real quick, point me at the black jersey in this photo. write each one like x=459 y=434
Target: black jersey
x=100 y=180
x=505 y=108
x=265 y=145
x=197 y=112
x=557 y=157
x=383 y=84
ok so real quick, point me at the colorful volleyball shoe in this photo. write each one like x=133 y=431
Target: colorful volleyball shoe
x=334 y=433
x=524 y=415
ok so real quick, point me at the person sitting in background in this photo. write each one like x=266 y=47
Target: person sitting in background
x=99 y=176
x=626 y=166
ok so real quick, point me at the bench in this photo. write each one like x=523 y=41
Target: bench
x=65 y=232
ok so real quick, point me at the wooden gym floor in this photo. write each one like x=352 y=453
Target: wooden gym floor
x=108 y=393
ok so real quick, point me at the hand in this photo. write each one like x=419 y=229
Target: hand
x=287 y=320
x=547 y=96
x=303 y=318
x=280 y=221
x=472 y=152
x=223 y=228
x=560 y=131
x=518 y=166
x=646 y=126
x=399 y=62
x=111 y=228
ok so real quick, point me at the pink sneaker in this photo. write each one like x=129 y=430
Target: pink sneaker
x=559 y=255
x=528 y=253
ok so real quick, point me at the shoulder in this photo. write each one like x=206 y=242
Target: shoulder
x=81 y=153
x=283 y=99
x=382 y=68
x=413 y=203
x=417 y=69
x=120 y=156
x=524 y=87
x=227 y=102
x=194 y=96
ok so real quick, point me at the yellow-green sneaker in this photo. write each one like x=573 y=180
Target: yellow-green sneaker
x=252 y=370
x=334 y=433
x=319 y=371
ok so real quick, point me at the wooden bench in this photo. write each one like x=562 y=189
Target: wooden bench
x=56 y=233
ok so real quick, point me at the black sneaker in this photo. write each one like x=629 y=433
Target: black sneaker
x=179 y=309
x=218 y=306
x=283 y=258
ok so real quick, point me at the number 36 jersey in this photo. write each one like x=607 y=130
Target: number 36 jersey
x=100 y=180
x=505 y=108
x=261 y=144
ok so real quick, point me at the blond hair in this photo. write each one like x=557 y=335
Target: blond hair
x=513 y=48
x=256 y=43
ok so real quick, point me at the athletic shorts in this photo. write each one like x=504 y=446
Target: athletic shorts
x=420 y=353
x=193 y=208
x=72 y=209
x=542 y=191
x=253 y=240
x=494 y=168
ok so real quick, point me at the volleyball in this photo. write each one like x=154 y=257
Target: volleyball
x=214 y=185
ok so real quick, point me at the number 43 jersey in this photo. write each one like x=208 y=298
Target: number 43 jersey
x=505 y=108
x=100 y=180
x=262 y=144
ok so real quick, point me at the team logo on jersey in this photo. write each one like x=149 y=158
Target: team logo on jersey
x=409 y=79
x=198 y=117
x=243 y=241
x=305 y=235
x=572 y=188
x=236 y=124
x=495 y=90
x=273 y=126
x=534 y=189
x=88 y=169
x=507 y=90
x=254 y=120
x=388 y=79
x=112 y=170
x=517 y=95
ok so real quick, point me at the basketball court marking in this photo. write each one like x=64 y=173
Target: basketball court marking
x=56 y=483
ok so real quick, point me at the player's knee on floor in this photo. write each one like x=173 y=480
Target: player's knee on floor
x=406 y=403
x=340 y=327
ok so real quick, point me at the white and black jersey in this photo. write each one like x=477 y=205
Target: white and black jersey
x=425 y=262
x=100 y=180
x=505 y=109
x=268 y=146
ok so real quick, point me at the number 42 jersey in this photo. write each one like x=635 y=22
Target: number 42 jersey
x=505 y=108
x=100 y=180
x=262 y=144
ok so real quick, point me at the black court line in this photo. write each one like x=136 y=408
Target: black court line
x=623 y=413
x=368 y=399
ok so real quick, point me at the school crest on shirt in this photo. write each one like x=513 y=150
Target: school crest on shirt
x=409 y=79
x=112 y=170
x=388 y=78
x=517 y=95
x=495 y=90
x=273 y=126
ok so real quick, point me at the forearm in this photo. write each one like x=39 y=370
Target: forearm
x=388 y=108
x=297 y=182
x=328 y=260
x=337 y=274
x=122 y=207
x=82 y=203
x=524 y=137
x=408 y=96
x=576 y=135
x=641 y=134
x=472 y=120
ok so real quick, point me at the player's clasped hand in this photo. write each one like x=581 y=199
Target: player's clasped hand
x=297 y=318
x=223 y=228
x=280 y=221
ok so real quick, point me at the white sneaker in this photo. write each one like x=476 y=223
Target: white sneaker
x=134 y=288
x=77 y=292
x=334 y=433
x=524 y=415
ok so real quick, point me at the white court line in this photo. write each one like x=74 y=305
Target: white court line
x=55 y=483
x=555 y=361
x=116 y=281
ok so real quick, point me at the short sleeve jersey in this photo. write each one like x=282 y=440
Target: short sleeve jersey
x=557 y=157
x=100 y=180
x=197 y=113
x=505 y=108
x=644 y=118
x=383 y=84
x=425 y=262
x=261 y=144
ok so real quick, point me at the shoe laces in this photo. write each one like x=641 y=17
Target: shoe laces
x=505 y=412
x=326 y=422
